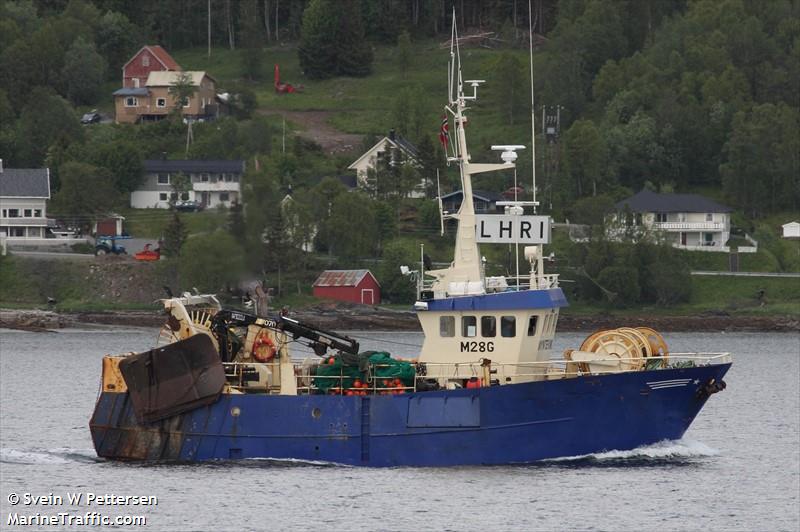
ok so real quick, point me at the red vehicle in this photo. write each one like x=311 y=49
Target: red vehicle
x=148 y=254
x=284 y=88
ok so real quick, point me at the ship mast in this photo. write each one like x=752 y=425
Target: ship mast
x=465 y=275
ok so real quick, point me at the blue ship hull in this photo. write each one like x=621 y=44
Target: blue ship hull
x=508 y=424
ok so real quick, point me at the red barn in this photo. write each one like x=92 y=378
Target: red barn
x=358 y=286
x=148 y=59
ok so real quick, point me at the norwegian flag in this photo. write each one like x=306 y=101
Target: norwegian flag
x=444 y=134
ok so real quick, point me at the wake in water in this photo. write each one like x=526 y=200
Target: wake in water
x=60 y=455
x=665 y=452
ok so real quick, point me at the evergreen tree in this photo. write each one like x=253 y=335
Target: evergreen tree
x=174 y=237
x=353 y=53
x=317 y=50
x=251 y=41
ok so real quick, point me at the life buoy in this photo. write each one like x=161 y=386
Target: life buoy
x=264 y=349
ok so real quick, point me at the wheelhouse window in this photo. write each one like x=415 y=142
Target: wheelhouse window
x=488 y=326
x=161 y=102
x=131 y=101
x=508 y=326
x=163 y=179
x=447 y=326
x=532 y=325
x=469 y=326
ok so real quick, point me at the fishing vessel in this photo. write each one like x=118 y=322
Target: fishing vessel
x=486 y=388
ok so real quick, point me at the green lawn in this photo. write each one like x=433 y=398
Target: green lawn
x=362 y=105
x=150 y=223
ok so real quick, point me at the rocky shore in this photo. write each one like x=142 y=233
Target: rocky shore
x=358 y=317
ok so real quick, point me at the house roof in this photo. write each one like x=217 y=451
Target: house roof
x=159 y=53
x=342 y=277
x=193 y=165
x=649 y=201
x=791 y=224
x=398 y=142
x=25 y=183
x=165 y=78
x=131 y=91
x=480 y=194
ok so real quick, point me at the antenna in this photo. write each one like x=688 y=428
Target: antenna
x=533 y=118
x=439 y=198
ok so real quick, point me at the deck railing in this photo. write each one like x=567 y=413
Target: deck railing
x=451 y=375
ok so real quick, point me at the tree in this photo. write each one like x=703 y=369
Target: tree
x=84 y=72
x=396 y=287
x=174 y=237
x=116 y=40
x=86 y=192
x=586 y=155
x=511 y=89
x=181 y=90
x=46 y=119
x=352 y=227
x=332 y=41
x=123 y=161
x=317 y=50
x=762 y=168
x=251 y=41
x=353 y=53
x=211 y=262
x=181 y=185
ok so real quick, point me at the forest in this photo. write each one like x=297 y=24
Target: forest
x=674 y=95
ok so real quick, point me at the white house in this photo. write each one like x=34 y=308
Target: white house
x=689 y=221
x=392 y=142
x=213 y=183
x=791 y=230
x=23 y=202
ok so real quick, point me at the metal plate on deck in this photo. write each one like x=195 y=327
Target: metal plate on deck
x=173 y=379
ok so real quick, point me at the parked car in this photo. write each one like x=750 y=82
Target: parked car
x=188 y=206
x=91 y=118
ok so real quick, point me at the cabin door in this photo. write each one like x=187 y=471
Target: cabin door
x=367 y=296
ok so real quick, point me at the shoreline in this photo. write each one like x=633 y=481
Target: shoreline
x=356 y=317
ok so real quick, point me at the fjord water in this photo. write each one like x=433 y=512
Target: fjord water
x=738 y=467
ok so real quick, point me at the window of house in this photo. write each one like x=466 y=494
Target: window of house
x=5 y=213
x=13 y=213
x=488 y=326
x=161 y=102
x=162 y=196
x=16 y=231
x=186 y=102
x=638 y=218
x=447 y=326
x=508 y=326
x=145 y=60
x=469 y=326
x=130 y=101
x=709 y=217
x=223 y=196
x=204 y=178
x=532 y=325
x=184 y=196
x=136 y=82
x=228 y=178
x=661 y=217
x=235 y=178
x=163 y=179
x=27 y=213
x=37 y=213
x=173 y=196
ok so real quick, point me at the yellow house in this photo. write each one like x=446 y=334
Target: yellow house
x=154 y=102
